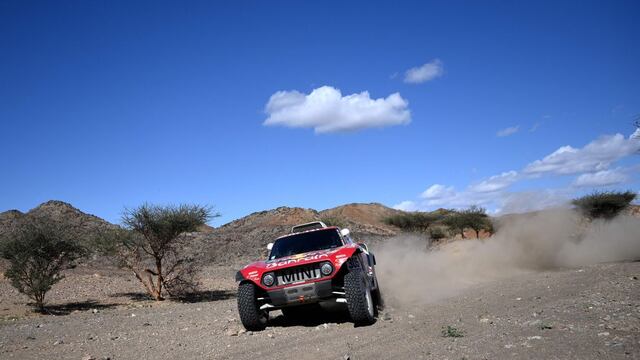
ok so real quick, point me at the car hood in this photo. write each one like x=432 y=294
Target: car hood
x=337 y=256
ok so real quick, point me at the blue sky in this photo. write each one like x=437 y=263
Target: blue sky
x=248 y=106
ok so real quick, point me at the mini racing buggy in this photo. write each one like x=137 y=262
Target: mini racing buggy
x=313 y=264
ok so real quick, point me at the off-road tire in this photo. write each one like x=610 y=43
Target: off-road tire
x=359 y=298
x=377 y=299
x=251 y=316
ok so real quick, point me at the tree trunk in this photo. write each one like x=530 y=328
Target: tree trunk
x=160 y=279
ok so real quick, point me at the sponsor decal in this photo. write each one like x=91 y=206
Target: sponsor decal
x=296 y=259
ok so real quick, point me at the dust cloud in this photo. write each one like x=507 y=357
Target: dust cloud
x=409 y=273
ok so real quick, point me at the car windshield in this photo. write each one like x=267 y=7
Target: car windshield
x=305 y=242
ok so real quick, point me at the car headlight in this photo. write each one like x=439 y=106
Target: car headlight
x=268 y=279
x=326 y=268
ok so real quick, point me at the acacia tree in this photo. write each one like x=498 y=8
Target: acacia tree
x=477 y=219
x=474 y=217
x=606 y=205
x=153 y=246
x=455 y=222
x=38 y=251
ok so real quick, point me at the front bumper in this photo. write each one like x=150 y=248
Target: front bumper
x=301 y=294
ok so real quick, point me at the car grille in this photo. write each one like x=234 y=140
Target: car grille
x=297 y=274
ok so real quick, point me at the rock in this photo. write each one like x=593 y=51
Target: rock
x=58 y=342
x=88 y=357
x=411 y=316
x=231 y=332
x=270 y=336
x=95 y=311
x=484 y=320
x=346 y=357
x=535 y=322
x=386 y=317
x=604 y=333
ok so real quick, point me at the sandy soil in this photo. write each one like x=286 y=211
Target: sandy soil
x=587 y=313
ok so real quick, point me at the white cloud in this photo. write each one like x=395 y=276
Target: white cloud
x=496 y=182
x=437 y=191
x=424 y=73
x=525 y=201
x=598 y=155
x=406 y=206
x=601 y=178
x=508 y=131
x=592 y=162
x=326 y=110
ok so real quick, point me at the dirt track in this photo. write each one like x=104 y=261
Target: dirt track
x=587 y=313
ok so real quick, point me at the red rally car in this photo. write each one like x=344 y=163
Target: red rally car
x=315 y=263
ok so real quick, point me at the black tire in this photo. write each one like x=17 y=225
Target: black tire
x=359 y=298
x=253 y=319
x=377 y=299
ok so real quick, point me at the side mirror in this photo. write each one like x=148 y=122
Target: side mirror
x=344 y=232
x=269 y=246
x=364 y=246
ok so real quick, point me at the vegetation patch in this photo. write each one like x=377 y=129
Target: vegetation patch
x=451 y=331
x=604 y=205
x=153 y=247
x=38 y=251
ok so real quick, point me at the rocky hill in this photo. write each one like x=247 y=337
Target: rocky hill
x=237 y=241
x=246 y=238
x=365 y=219
x=59 y=211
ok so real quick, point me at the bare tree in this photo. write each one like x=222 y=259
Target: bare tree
x=153 y=245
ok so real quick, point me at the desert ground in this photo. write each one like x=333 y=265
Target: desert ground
x=589 y=312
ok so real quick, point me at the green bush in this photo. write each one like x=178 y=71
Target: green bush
x=452 y=331
x=413 y=221
x=37 y=253
x=606 y=205
x=437 y=233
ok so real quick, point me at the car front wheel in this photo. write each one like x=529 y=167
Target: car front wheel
x=359 y=298
x=251 y=316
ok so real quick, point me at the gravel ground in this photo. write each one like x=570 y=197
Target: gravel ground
x=587 y=313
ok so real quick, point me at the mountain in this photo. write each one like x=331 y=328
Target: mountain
x=246 y=238
x=366 y=219
x=59 y=211
x=237 y=241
